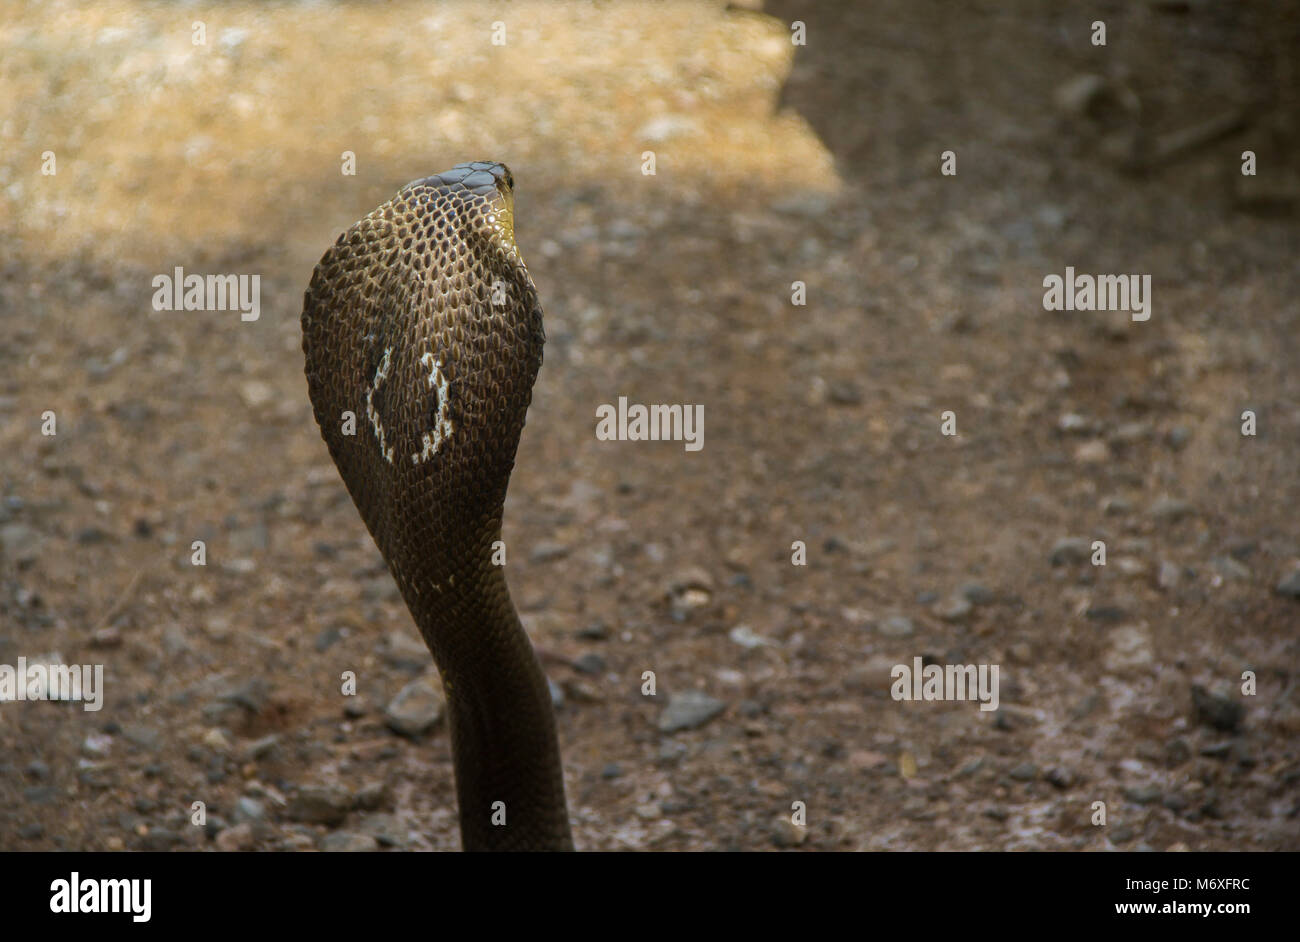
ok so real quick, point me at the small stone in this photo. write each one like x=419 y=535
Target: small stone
x=589 y=663
x=32 y=832
x=110 y=636
x=1060 y=777
x=955 y=608
x=249 y=809
x=1229 y=568
x=1110 y=613
x=1130 y=648
x=355 y=707
x=977 y=593
x=1121 y=834
x=785 y=833
x=19 y=544
x=236 y=839
x=845 y=393
x=320 y=804
x=1093 y=452
x=1143 y=794
x=327 y=638
x=415 y=710
x=160 y=839
x=370 y=796
x=144 y=737
x=40 y=794
x=1170 y=510
x=596 y=631
x=348 y=842
x=1070 y=550
x=546 y=552
x=896 y=626
x=216 y=740
x=1223 y=714
x=665 y=127
x=1074 y=424
x=97 y=745
x=1024 y=772
x=256 y=393
x=1178 y=437
x=259 y=748
x=611 y=771
x=406 y=652
x=1289 y=586
x=384 y=829
x=1116 y=506
x=689 y=709
x=1081 y=94
x=1168 y=575
x=744 y=636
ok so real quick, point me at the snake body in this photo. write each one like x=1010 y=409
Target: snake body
x=422 y=325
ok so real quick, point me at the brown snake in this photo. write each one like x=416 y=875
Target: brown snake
x=422 y=322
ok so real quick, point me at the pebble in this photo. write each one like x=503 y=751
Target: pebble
x=954 y=608
x=1130 y=648
x=97 y=745
x=1143 y=794
x=235 y=839
x=1093 y=452
x=327 y=638
x=896 y=626
x=1170 y=510
x=689 y=709
x=1070 y=550
x=1219 y=712
x=1060 y=777
x=1168 y=575
x=977 y=593
x=384 y=829
x=589 y=663
x=1289 y=585
x=415 y=710
x=1229 y=568
x=160 y=839
x=249 y=809
x=785 y=833
x=1024 y=772
x=144 y=737
x=259 y=748
x=348 y=842
x=744 y=636
x=546 y=552
x=320 y=804
x=406 y=652
x=371 y=796
x=19 y=543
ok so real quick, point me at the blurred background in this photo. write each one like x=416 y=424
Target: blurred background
x=775 y=163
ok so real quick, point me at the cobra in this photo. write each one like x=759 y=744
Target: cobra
x=422 y=318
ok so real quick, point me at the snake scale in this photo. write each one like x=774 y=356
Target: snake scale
x=423 y=324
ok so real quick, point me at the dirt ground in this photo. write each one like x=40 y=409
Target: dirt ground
x=775 y=163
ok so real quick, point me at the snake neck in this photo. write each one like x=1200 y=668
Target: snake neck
x=509 y=780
